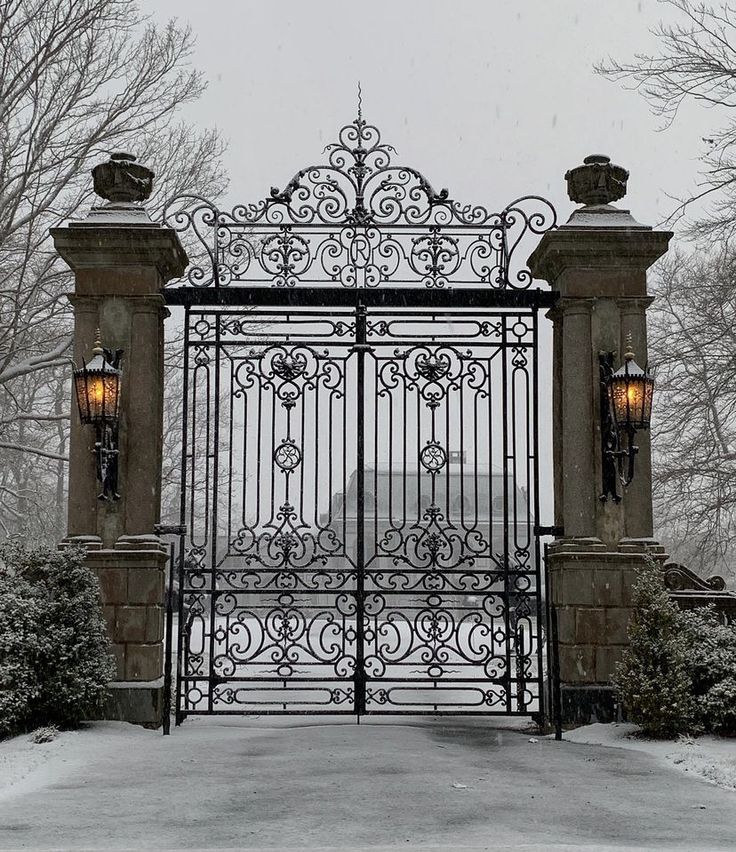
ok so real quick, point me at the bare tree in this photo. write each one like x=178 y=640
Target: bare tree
x=696 y=62
x=79 y=79
x=693 y=344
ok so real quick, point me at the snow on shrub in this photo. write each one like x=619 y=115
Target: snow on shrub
x=711 y=654
x=679 y=672
x=46 y=734
x=653 y=678
x=55 y=658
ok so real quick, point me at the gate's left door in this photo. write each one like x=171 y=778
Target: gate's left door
x=268 y=619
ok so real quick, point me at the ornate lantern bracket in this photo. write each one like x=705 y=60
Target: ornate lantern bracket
x=97 y=387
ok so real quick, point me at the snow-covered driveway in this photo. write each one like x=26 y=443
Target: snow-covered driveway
x=310 y=784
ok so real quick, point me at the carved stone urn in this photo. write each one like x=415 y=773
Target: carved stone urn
x=121 y=179
x=597 y=181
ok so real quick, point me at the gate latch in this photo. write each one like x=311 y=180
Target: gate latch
x=170 y=529
x=557 y=532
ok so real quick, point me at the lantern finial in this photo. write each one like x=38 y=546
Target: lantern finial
x=97 y=348
x=629 y=354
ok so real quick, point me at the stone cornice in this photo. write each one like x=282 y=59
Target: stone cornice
x=115 y=246
x=596 y=249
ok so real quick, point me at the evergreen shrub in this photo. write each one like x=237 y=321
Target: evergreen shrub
x=678 y=674
x=55 y=660
x=711 y=654
x=653 y=678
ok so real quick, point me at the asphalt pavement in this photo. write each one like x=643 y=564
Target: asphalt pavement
x=319 y=784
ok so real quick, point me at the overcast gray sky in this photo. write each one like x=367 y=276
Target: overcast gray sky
x=489 y=98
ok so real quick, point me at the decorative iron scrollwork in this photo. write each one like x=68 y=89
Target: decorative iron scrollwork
x=433 y=457
x=433 y=366
x=330 y=568
x=287 y=455
x=289 y=366
x=356 y=220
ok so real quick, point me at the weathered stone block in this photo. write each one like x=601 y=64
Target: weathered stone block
x=566 y=625
x=130 y=624
x=590 y=626
x=118 y=652
x=108 y=613
x=578 y=586
x=140 y=705
x=555 y=580
x=583 y=704
x=154 y=624
x=606 y=658
x=628 y=579
x=607 y=586
x=577 y=663
x=113 y=585
x=617 y=622
x=145 y=586
x=144 y=662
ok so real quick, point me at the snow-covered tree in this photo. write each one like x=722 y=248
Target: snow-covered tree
x=79 y=79
x=695 y=62
x=692 y=343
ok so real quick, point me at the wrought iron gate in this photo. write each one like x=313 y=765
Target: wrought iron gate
x=360 y=460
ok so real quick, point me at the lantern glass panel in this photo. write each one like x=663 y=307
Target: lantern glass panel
x=631 y=391
x=97 y=388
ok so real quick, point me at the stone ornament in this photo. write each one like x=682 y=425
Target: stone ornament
x=121 y=179
x=597 y=181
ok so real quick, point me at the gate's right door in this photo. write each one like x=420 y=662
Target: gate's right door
x=451 y=606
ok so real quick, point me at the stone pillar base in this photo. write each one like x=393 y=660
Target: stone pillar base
x=131 y=577
x=137 y=702
x=591 y=592
x=581 y=705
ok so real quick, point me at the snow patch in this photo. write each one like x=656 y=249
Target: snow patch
x=709 y=758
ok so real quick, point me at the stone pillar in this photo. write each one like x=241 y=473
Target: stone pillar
x=597 y=262
x=121 y=260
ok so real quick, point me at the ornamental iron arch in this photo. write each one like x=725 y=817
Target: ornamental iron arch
x=360 y=453
x=357 y=220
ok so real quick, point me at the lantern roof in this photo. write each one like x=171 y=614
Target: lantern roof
x=630 y=369
x=99 y=363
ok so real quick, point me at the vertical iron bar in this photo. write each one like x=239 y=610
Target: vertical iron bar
x=211 y=677
x=556 y=676
x=505 y=439
x=360 y=339
x=520 y=658
x=535 y=520
x=168 y=635
x=180 y=649
x=554 y=651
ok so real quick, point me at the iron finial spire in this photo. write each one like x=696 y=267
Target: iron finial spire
x=360 y=103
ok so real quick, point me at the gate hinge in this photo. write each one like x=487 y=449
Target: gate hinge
x=557 y=532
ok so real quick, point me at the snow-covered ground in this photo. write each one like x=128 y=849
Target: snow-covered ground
x=416 y=783
x=709 y=758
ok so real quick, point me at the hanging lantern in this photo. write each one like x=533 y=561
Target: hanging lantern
x=97 y=388
x=626 y=407
x=630 y=392
x=97 y=385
